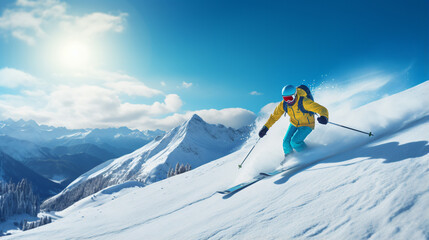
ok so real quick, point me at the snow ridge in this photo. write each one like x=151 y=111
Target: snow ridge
x=194 y=142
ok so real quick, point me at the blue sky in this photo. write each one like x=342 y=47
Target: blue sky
x=151 y=64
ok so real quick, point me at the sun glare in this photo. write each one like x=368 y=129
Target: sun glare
x=74 y=54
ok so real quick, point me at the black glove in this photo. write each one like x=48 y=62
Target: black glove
x=263 y=132
x=322 y=120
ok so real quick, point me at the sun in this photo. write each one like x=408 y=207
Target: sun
x=74 y=54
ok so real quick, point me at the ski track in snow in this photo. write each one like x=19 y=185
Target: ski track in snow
x=150 y=219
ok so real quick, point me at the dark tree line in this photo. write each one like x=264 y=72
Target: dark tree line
x=30 y=225
x=73 y=195
x=18 y=199
x=180 y=168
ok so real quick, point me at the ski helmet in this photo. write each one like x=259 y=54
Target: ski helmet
x=289 y=94
x=288 y=90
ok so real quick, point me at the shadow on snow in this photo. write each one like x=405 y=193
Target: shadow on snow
x=391 y=152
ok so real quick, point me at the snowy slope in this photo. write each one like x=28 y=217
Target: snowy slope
x=350 y=187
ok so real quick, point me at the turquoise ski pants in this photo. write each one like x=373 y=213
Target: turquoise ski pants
x=294 y=138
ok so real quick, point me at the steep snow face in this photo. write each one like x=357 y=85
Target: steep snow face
x=354 y=187
x=195 y=142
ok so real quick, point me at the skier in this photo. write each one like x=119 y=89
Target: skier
x=299 y=105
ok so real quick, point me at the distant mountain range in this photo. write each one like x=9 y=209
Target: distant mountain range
x=193 y=143
x=119 y=141
x=61 y=154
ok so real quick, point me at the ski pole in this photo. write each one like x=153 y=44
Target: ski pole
x=370 y=133
x=240 y=165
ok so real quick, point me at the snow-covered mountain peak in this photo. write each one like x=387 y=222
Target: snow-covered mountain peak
x=196 y=126
x=195 y=118
x=195 y=122
x=193 y=143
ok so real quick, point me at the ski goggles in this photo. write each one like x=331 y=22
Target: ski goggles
x=290 y=98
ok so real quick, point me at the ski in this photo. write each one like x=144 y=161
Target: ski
x=261 y=176
x=277 y=171
x=241 y=185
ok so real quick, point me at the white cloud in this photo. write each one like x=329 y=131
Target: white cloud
x=80 y=106
x=255 y=93
x=23 y=25
x=31 y=20
x=95 y=23
x=20 y=19
x=13 y=78
x=94 y=106
x=186 y=84
x=101 y=76
x=172 y=103
x=133 y=88
x=119 y=82
x=21 y=35
x=26 y=3
x=34 y=3
x=230 y=117
x=163 y=84
x=97 y=102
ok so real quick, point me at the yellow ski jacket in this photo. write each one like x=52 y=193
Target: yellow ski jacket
x=297 y=117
